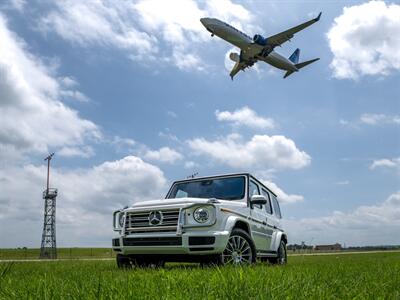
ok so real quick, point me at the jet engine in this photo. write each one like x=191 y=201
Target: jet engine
x=260 y=40
x=234 y=56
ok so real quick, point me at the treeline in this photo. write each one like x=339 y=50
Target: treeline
x=299 y=247
x=295 y=247
x=382 y=247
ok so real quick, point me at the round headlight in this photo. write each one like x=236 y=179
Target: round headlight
x=121 y=219
x=201 y=214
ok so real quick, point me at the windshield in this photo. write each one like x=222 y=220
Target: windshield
x=230 y=188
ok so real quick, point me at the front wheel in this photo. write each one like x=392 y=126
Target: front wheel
x=143 y=262
x=123 y=262
x=240 y=249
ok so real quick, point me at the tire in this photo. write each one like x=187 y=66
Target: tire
x=211 y=262
x=240 y=249
x=281 y=259
x=148 y=263
x=123 y=262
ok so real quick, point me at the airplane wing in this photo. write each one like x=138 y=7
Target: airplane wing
x=245 y=61
x=284 y=36
x=239 y=66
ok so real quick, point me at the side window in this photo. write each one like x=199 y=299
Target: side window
x=268 y=207
x=254 y=190
x=277 y=210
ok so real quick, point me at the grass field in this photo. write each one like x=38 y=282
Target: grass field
x=62 y=253
x=352 y=276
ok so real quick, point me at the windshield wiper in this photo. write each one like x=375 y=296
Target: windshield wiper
x=229 y=198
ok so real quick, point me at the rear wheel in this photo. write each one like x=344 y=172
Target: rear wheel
x=281 y=259
x=240 y=249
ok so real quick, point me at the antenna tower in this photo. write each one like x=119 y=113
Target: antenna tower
x=48 y=247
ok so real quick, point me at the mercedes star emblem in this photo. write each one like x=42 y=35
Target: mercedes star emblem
x=155 y=218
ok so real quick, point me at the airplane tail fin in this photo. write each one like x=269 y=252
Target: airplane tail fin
x=300 y=65
x=294 y=58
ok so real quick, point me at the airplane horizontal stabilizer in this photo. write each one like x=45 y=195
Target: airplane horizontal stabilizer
x=300 y=65
x=305 y=63
x=288 y=73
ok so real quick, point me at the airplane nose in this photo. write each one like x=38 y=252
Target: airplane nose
x=203 y=21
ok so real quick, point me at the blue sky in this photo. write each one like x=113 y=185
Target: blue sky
x=134 y=95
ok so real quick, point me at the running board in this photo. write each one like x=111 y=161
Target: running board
x=262 y=253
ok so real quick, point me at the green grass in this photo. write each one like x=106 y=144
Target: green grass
x=62 y=253
x=351 y=276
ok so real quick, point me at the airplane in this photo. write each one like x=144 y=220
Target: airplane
x=259 y=48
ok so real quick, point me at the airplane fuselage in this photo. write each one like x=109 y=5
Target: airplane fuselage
x=242 y=41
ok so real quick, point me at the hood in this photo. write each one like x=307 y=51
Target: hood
x=176 y=202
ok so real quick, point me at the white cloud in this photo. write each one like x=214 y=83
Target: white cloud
x=372 y=119
x=123 y=144
x=228 y=11
x=18 y=5
x=379 y=119
x=85 y=151
x=343 y=182
x=75 y=95
x=385 y=163
x=164 y=154
x=68 y=82
x=191 y=165
x=282 y=195
x=100 y=23
x=33 y=119
x=172 y=114
x=169 y=136
x=139 y=28
x=85 y=202
x=262 y=151
x=245 y=117
x=365 y=225
x=364 y=40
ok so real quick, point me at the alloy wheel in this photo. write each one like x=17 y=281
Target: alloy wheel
x=238 y=251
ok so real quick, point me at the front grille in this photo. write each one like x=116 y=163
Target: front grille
x=153 y=241
x=137 y=222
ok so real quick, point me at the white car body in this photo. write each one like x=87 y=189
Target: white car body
x=180 y=238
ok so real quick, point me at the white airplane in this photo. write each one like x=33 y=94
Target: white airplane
x=258 y=47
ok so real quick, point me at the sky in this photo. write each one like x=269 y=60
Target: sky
x=132 y=95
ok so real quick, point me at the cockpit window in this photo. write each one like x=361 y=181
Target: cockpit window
x=229 y=188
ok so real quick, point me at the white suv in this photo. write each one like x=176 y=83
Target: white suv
x=219 y=219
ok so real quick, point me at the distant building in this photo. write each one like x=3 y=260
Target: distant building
x=334 y=247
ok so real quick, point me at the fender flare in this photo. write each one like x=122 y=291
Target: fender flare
x=233 y=220
x=280 y=235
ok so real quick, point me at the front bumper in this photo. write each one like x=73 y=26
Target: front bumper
x=190 y=242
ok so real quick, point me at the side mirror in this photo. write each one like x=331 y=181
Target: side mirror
x=258 y=200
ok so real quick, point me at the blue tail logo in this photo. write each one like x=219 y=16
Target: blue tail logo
x=294 y=58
